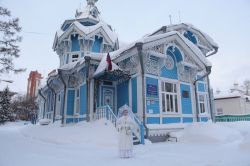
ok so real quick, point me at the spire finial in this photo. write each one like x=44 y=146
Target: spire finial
x=91 y=2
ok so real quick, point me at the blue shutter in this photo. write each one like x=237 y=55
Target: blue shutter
x=83 y=100
x=70 y=102
x=134 y=95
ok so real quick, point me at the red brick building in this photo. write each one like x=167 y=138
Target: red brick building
x=34 y=82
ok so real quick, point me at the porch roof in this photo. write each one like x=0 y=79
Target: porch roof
x=114 y=74
x=103 y=66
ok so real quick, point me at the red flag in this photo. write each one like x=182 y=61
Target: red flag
x=108 y=60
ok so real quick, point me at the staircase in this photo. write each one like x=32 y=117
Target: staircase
x=105 y=112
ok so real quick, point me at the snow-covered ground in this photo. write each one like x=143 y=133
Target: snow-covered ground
x=93 y=144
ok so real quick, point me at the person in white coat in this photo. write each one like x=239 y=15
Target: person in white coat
x=125 y=125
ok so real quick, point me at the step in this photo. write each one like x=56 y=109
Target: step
x=136 y=141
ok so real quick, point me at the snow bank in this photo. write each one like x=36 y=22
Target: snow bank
x=207 y=133
x=245 y=144
x=11 y=126
x=101 y=133
x=244 y=128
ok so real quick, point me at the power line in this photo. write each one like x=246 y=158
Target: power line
x=37 y=33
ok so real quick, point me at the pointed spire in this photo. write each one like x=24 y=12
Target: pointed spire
x=89 y=10
x=91 y=2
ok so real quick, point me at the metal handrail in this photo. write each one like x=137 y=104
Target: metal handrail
x=105 y=112
x=140 y=132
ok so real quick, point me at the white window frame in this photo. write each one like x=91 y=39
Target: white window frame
x=177 y=94
x=202 y=102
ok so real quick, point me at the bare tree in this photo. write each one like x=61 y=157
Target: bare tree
x=9 y=49
x=24 y=108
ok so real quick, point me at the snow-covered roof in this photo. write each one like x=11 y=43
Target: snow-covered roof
x=104 y=65
x=88 y=22
x=228 y=94
x=87 y=31
x=148 y=39
x=206 y=36
x=72 y=65
x=189 y=27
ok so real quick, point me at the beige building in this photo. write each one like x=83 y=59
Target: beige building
x=232 y=106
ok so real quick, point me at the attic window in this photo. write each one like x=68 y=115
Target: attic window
x=75 y=57
x=191 y=37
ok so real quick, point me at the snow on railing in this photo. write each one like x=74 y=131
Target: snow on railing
x=105 y=112
x=139 y=132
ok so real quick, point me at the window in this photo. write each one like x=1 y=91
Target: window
x=219 y=111
x=67 y=58
x=77 y=104
x=169 y=98
x=202 y=103
x=75 y=57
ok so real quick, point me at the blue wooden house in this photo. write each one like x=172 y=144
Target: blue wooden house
x=163 y=77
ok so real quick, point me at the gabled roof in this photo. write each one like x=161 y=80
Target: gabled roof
x=149 y=39
x=229 y=95
x=87 y=31
x=213 y=46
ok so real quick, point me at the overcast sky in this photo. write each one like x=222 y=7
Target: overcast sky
x=226 y=21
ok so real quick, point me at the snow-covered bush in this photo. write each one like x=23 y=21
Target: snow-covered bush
x=44 y=121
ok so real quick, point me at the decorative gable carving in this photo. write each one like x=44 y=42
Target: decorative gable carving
x=129 y=65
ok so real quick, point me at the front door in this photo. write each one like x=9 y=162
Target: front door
x=108 y=97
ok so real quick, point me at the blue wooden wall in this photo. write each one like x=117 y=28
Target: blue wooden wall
x=83 y=100
x=152 y=96
x=172 y=74
x=70 y=102
x=171 y=120
x=186 y=102
x=97 y=44
x=201 y=87
x=153 y=120
x=62 y=103
x=134 y=94
x=75 y=44
x=187 y=120
x=122 y=94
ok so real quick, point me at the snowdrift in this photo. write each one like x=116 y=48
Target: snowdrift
x=245 y=144
x=99 y=133
x=207 y=133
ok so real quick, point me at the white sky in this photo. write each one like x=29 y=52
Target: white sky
x=226 y=21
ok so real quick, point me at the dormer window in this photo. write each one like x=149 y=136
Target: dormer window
x=191 y=37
